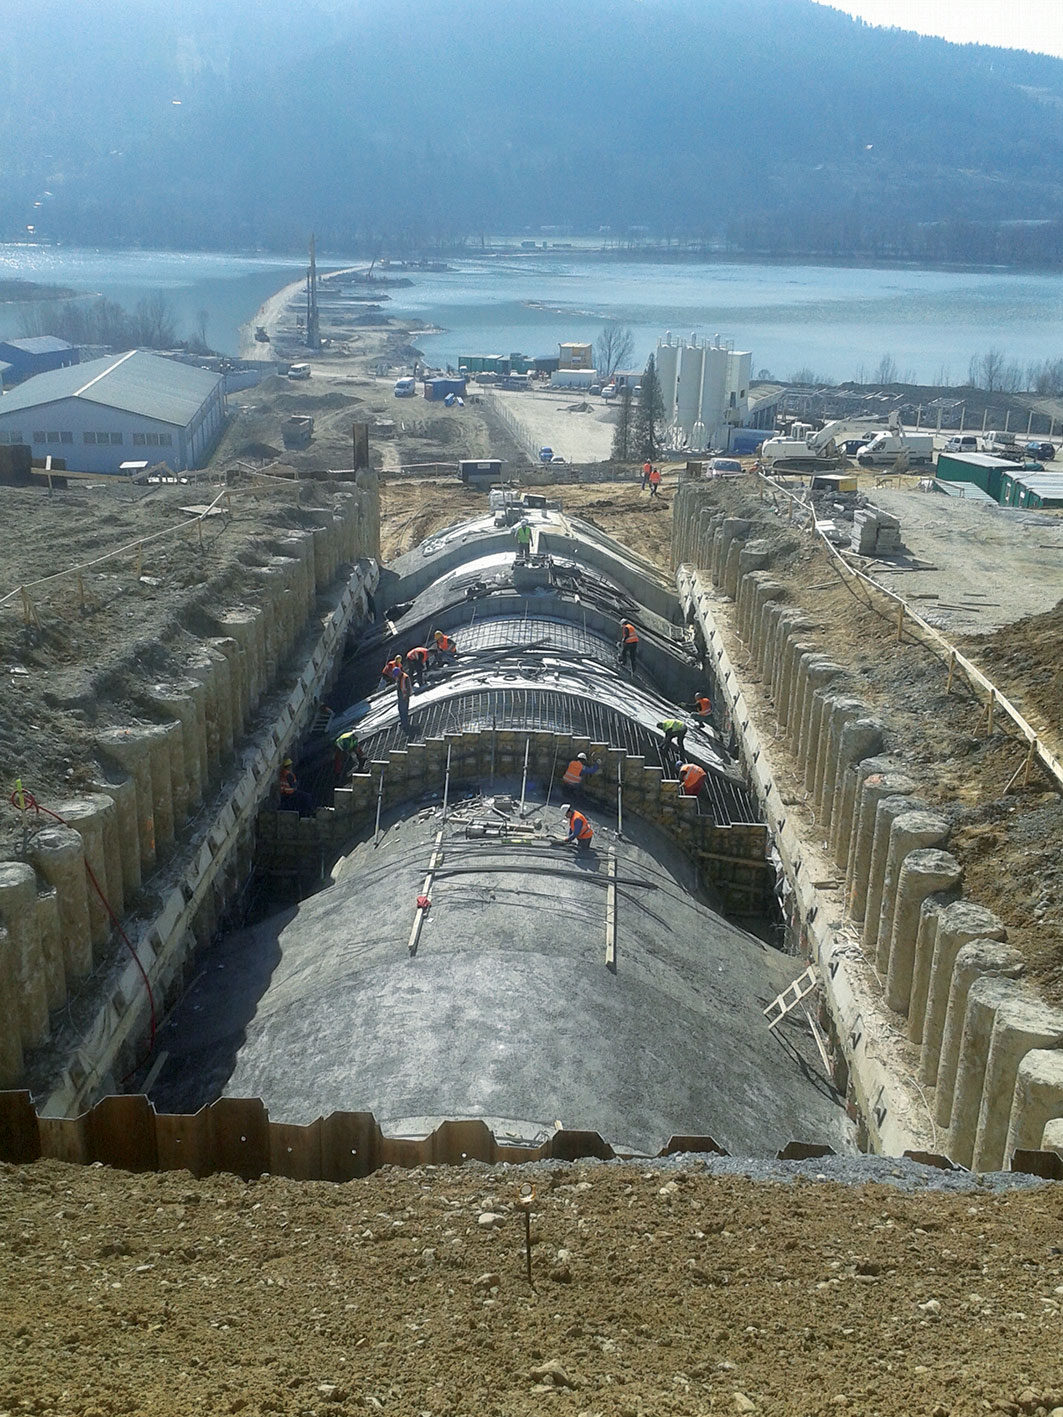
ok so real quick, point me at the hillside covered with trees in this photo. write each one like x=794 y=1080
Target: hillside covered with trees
x=766 y=126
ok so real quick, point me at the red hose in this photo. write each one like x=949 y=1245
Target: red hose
x=22 y=801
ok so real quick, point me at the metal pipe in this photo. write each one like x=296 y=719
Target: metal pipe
x=619 y=802
x=379 y=805
x=446 y=782
x=524 y=779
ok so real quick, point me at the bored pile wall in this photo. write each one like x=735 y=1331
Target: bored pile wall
x=939 y=1040
x=173 y=815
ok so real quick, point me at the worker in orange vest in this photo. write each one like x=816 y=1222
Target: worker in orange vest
x=655 y=481
x=293 y=798
x=578 y=771
x=647 y=468
x=703 y=706
x=629 y=643
x=690 y=779
x=417 y=663
x=579 y=829
x=403 y=690
x=390 y=671
x=444 y=645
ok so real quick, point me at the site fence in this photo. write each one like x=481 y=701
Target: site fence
x=909 y=623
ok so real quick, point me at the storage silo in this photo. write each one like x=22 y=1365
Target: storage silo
x=688 y=389
x=714 y=394
x=667 y=365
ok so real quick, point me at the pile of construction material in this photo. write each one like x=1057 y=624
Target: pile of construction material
x=875 y=533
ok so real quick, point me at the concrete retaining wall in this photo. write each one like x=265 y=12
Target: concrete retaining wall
x=930 y=1037
x=73 y=915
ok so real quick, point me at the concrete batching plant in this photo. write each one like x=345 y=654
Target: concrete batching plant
x=705 y=386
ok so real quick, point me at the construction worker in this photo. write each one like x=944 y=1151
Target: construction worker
x=523 y=533
x=703 y=706
x=390 y=671
x=675 y=732
x=417 y=663
x=647 y=468
x=403 y=690
x=629 y=643
x=292 y=797
x=690 y=779
x=578 y=771
x=579 y=829
x=443 y=645
x=347 y=746
x=655 y=481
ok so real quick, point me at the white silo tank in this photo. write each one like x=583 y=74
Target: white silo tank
x=667 y=363
x=688 y=393
x=714 y=393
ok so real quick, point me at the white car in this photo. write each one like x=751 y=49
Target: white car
x=724 y=467
x=557 y=458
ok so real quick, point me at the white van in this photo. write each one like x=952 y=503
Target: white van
x=299 y=371
x=405 y=388
x=962 y=443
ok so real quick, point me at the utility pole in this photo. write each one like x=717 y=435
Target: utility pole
x=313 y=335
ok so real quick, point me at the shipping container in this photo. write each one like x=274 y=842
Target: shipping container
x=438 y=388
x=981 y=470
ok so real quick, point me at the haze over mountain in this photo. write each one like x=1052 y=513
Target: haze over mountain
x=772 y=125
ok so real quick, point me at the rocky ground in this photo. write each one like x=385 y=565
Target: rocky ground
x=655 y=1289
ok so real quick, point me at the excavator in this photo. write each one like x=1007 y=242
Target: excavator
x=806 y=449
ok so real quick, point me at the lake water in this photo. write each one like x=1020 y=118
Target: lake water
x=836 y=321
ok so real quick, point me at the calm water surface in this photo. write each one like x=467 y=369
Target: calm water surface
x=836 y=321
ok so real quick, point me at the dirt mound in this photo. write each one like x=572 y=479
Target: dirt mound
x=303 y=403
x=266 y=452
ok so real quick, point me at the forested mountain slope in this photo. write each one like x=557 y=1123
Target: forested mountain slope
x=776 y=124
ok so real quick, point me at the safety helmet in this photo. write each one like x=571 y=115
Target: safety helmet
x=565 y=809
x=287 y=763
x=439 y=634
x=581 y=757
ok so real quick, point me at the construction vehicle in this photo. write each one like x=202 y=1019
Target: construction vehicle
x=805 y=449
x=261 y=335
x=297 y=431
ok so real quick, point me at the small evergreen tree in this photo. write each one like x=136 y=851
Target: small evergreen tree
x=649 y=415
x=623 y=433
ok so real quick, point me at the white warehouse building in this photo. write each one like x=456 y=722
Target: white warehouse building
x=132 y=407
x=705 y=387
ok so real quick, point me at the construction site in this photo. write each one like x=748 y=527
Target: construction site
x=391 y=1097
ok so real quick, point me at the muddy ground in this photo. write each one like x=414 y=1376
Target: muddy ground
x=655 y=1290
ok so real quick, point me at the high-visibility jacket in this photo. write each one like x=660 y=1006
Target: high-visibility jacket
x=627 y=631
x=702 y=704
x=579 y=827
x=672 y=725
x=691 y=777
x=391 y=669
x=419 y=652
x=574 y=773
x=403 y=685
x=288 y=782
x=445 y=644
x=655 y=478
x=523 y=534
x=647 y=468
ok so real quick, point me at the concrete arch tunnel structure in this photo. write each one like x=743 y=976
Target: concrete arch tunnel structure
x=619 y=992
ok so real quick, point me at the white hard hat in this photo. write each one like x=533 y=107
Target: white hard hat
x=581 y=757
x=565 y=809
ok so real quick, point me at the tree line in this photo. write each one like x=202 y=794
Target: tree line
x=152 y=324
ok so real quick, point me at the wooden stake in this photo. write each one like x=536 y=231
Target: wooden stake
x=199 y=526
x=900 y=621
x=1029 y=762
x=992 y=706
x=952 y=671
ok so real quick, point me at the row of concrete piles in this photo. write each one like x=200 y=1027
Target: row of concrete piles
x=162 y=790
x=984 y=1044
